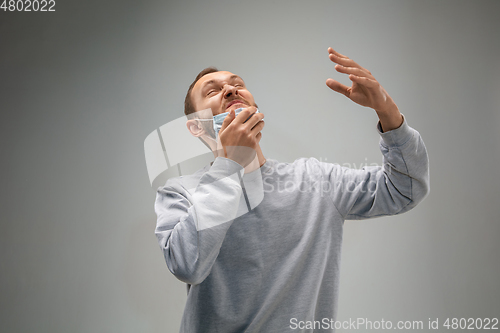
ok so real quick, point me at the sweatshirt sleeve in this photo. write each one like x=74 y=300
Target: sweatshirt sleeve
x=393 y=188
x=192 y=224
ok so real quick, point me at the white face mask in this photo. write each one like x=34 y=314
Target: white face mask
x=219 y=119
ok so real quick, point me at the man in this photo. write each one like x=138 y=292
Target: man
x=275 y=268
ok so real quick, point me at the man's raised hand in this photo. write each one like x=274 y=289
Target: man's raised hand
x=365 y=90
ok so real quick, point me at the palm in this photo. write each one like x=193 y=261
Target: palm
x=358 y=94
x=365 y=89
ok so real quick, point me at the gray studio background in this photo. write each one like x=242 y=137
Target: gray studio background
x=82 y=87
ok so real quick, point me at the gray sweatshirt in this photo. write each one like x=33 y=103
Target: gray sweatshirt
x=262 y=250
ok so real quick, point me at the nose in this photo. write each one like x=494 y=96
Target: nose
x=229 y=90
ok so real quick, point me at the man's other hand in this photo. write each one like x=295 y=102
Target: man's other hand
x=241 y=135
x=365 y=90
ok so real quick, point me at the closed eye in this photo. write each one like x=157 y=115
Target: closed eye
x=237 y=85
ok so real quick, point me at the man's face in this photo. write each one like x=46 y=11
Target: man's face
x=221 y=92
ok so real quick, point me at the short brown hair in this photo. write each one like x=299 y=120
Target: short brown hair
x=188 y=102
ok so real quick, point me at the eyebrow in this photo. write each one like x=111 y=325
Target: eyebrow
x=213 y=81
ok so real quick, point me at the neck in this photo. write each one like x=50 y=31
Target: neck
x=258 y=161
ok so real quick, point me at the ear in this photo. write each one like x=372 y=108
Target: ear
x=194 y=127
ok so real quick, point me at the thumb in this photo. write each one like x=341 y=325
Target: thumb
x=338 y=87
x=229 y=118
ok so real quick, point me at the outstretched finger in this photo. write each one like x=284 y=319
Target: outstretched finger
x=343 y=61
x=347 y=62
x=353 y=70
x=338 y=87
x=365 y=81
x=331 y=50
